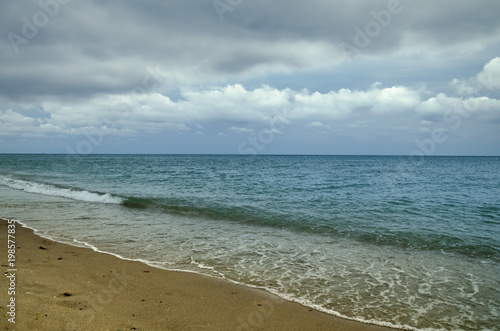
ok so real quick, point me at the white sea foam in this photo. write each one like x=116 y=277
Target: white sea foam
x=51 y=190
x=413 y=311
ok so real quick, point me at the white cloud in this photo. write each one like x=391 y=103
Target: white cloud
x=234 y=129
x=13 y=123
x=489 y=77
x=442 y=104
x=394 y=99
x=340 y=104
x=438 y=105
x=487 y=82
x=318 y=125
x=15 y=118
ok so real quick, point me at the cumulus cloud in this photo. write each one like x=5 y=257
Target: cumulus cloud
x=12 y=122
x=231 y=104
x=337 y=104
x=487 y=82
x=437 y=107
x=243 y=109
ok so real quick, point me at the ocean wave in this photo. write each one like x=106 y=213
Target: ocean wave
x=336 y=227
x=70 y=193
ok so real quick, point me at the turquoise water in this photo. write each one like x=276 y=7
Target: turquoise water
x=413 y=243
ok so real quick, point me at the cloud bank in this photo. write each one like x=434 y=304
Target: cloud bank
x=130 y=71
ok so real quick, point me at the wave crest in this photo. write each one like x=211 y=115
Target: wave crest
x=47 y=189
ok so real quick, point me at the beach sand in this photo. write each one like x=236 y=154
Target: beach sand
x=62 y=287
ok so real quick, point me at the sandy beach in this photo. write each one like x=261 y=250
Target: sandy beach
x=62 y=287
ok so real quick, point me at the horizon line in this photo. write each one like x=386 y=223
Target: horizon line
x=252 y=155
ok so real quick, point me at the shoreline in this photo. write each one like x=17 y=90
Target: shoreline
x=64 y=287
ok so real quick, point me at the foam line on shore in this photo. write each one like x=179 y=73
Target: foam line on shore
x=161 y=265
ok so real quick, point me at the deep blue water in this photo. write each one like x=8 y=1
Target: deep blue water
x=386 y=239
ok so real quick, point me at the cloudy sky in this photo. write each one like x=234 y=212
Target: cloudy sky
x=250 y=76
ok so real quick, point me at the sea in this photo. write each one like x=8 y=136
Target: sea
x=408 y=242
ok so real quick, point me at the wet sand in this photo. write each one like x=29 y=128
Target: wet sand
x=62 y=287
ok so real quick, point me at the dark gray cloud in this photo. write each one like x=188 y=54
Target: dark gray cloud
x=85 y=46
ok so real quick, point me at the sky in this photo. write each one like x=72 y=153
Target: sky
x=386 y=77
